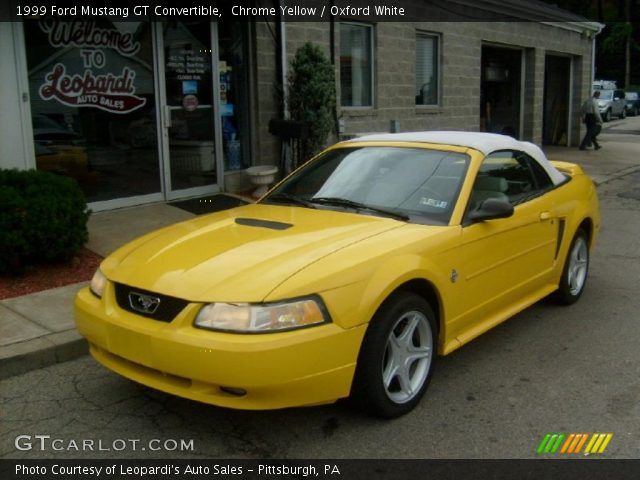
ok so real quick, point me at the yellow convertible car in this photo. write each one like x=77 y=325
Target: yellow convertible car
x=348 y=277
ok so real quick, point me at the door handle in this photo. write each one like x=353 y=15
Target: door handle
x=167 y=116
x=545 y=215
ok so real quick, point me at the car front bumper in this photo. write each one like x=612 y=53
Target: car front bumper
x=309 y=366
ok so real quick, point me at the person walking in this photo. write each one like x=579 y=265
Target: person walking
x=593 y=121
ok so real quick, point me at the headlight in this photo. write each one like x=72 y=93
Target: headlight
x=267 y=317
x=98 y=282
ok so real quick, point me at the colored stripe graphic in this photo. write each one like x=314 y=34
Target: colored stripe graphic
x=550 y=443
x=574 y=442
x=598 y=443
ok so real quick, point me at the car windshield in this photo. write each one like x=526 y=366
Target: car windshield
x=606 y=94
x=631 y=96
x=419 y=184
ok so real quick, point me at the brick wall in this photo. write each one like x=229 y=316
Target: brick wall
x=460 y=70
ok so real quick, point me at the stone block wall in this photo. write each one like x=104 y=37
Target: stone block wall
x=460 y=72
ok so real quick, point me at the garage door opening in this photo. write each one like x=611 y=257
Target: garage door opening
x=501 y=91
x=555 y=120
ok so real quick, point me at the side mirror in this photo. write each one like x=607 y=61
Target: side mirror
x=491 y=209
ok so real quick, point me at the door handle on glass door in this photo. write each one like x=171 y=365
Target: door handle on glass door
x=167 y=116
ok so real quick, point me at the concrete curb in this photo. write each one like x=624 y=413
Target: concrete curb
x=618 y=174
x=41 y=352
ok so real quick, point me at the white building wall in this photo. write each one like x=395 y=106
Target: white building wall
x=16 y=132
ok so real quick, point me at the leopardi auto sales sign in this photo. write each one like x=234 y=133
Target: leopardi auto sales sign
x=112 y=92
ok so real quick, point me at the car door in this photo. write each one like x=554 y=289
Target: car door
x=504 y=262
x=618 y=102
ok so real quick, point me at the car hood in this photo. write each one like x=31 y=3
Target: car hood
x=237 y=255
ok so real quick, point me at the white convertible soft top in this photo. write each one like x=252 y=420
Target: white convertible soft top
x=483 y=142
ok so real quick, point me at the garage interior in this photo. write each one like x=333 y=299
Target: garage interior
x=501 y=90
x=557 y=90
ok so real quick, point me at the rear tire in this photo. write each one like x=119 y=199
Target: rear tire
x=623 y=115
x=607 y=116
x=397 y=357
x=576 y=268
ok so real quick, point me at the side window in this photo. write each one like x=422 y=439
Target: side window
x=508 y=175
x=542 y=179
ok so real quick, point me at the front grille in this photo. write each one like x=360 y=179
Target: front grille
x=166 y=310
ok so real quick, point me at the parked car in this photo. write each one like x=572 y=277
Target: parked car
x=605 y=84
x=348 y=277
x=57 y=148
x=632 y=103
x=611 y=103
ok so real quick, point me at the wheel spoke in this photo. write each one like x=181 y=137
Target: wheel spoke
x=390 y=370
x=389 y=373
x=417 y=353
x=405 y=381
x=574 y=254
x=571 y=275
x=394 y=343
x=573 y=281
x=405 y=339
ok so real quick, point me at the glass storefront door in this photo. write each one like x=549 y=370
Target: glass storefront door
x=188 y=80
x=140 y=112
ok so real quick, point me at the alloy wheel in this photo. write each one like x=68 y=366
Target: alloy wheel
x=578 y=265
x=407 y=357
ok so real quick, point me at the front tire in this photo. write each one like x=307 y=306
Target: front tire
x=623 y=115
x=397 y=357
x=576 y=268
x=607 y=116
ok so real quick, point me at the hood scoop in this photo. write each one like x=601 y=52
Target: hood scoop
x=256 y=222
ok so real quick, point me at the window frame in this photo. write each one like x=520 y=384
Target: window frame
x=371 y=28
x=438 y=63
x=536 y=170
x=524 y=160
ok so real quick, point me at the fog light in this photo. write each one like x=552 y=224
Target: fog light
x=237 y=392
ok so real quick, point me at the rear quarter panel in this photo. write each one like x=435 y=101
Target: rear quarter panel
x=577 y=204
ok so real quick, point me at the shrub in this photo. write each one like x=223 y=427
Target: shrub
x=43 y=217
x=312 y=96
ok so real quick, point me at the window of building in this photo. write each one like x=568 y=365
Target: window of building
x=356 y=65
x=93 y=103
x=427 y=72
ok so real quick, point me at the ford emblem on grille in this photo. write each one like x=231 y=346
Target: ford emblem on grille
x=143 y=303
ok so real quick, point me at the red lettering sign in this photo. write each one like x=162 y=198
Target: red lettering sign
x=107 y=92
x=87 y=34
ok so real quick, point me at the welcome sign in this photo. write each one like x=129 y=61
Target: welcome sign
x=112 y=92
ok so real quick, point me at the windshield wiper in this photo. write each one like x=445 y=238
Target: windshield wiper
x=343 y=202
x=288 y=198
